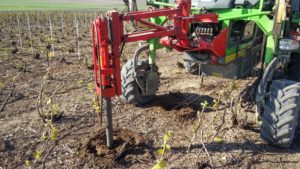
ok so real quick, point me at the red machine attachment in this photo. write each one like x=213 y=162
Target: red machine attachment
x=108 y=35
x=106 y=53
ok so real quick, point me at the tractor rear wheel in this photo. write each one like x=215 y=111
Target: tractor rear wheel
x=131 y=89
x=294 y=67
x=281 y=113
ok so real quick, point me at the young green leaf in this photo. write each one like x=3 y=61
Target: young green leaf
x=2 y=86
x=81 y=82
x=54 y=133
x=170 y=133
x=160 y=151
x=51 y=55
x=44 y=137
x=54 y=109
x=166 y=138
x=168 y=147
x=27 y=163
x=37 y=154
x=221 y=93
x=216 y=104
x=218 y=140
x=49 y=123
x=90 y=86
x=233 y=85
x=204 y=105
x=97 y=109
x=14 y=78
x=49 y=101
x=161 y=164
x=96 y=106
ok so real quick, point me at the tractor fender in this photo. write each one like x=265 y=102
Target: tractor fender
x=264 y=85
x=196 y=57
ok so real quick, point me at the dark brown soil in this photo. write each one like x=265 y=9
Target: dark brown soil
x=128 y=145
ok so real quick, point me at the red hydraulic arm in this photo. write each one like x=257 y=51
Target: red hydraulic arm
x=108 y=35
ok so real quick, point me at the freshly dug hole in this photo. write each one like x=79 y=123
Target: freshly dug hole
x=128 y=147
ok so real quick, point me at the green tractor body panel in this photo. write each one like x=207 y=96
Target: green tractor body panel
x=258 y=12
x=154 y=43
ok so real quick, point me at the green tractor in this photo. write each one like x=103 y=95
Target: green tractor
x=247 y=32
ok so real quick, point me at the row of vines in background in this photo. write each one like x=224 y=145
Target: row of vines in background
x=46 y=33
x=43 y=38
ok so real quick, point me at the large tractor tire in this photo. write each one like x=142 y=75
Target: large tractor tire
x=192 y=57
x=294 y=67
x=131 y=90
x=192 y=68
x=281 y=113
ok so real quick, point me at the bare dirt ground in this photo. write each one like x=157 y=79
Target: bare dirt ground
x=138 y=130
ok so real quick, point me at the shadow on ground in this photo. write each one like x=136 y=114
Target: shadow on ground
x=177 y=101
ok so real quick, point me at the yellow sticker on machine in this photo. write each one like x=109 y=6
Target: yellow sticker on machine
x=233 y=56
x=217 y=74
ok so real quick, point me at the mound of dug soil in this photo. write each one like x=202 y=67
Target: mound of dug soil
x=129 y=148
